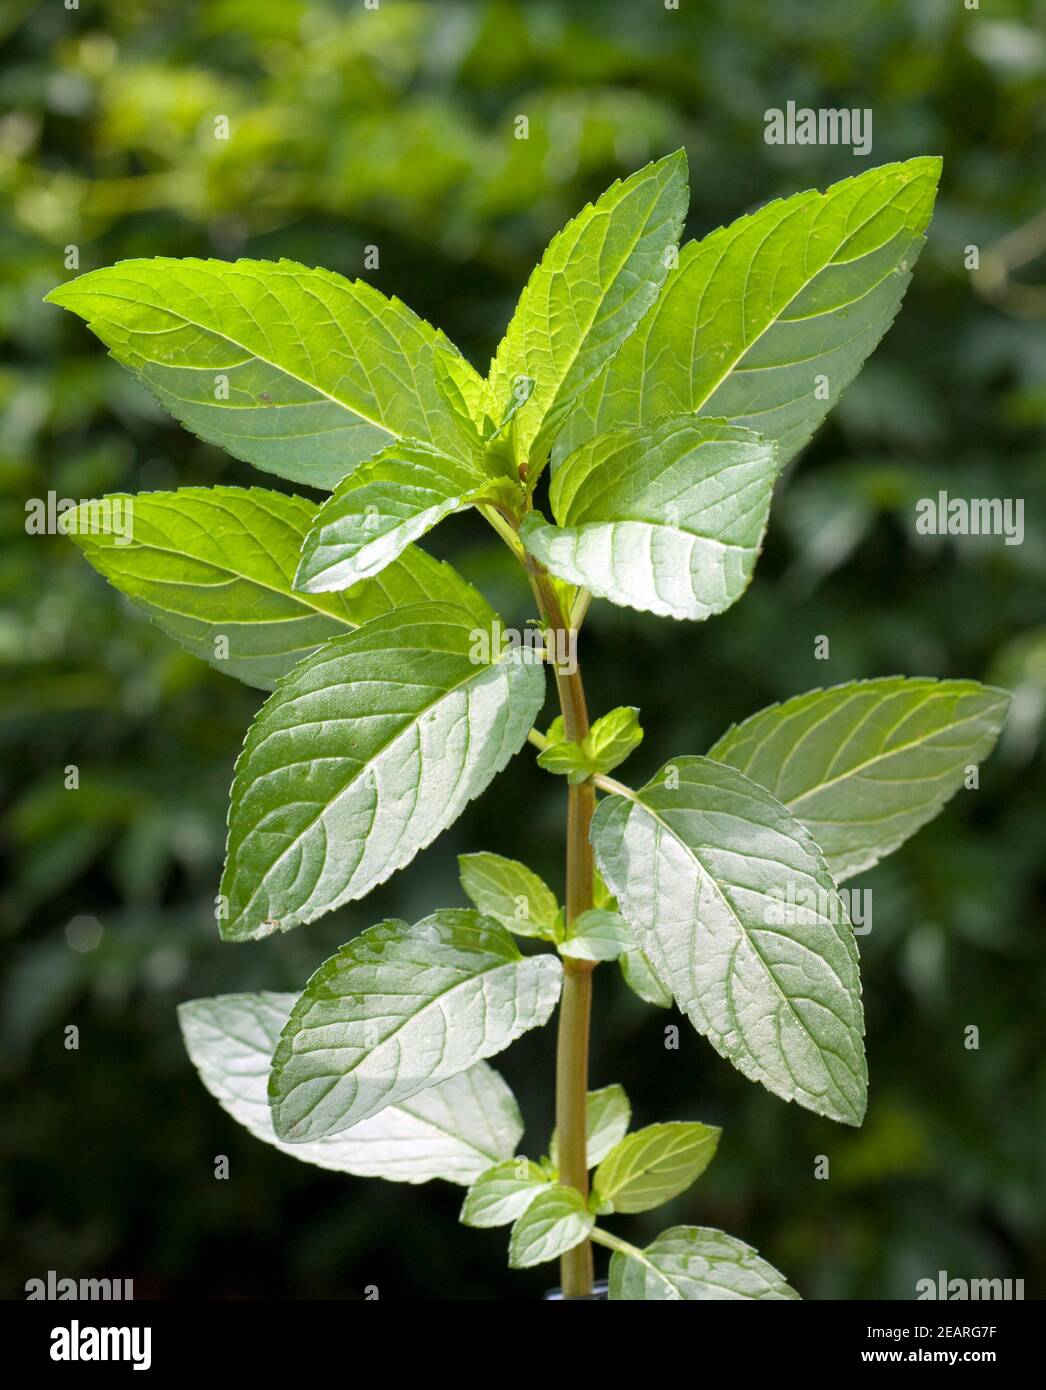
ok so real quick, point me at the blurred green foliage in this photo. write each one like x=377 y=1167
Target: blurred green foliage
x=395 y=128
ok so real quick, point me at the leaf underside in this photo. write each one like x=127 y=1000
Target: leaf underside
x=502 y=1194
x=694 y=1264
x=379 y=509
x=700 y=862
x=363 y=754
x=453 y=1131
x=667 y=519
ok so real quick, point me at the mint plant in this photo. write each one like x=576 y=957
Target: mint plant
x=664 y=391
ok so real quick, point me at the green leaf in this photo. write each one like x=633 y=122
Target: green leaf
x=865 y=765
x=668 y=519
x=503 y=1193
x=557 y=730
x=653 y=1165
x=639 y=975
x=379 y=509
x=607 y=1115
x=400 y=1009
x=364 y=753
x=553 y=1223
x=452 y=1131
x=298 y=371
x=510 y=893
x=601 y=894
x=613 y=738
x=596 y=935
x=596 y=280
x=766 y=321
x=693 y=1263
x=704 y=862
x=566 y=759
x=214 y=568
x=466 y=392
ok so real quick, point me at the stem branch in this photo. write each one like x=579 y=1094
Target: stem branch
x=616 y=1243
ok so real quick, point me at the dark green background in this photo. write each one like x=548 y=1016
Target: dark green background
x=395 y=128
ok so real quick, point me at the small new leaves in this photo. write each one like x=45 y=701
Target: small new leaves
x=639 y=975
x=555 y=1221
x=522 y=390
x=596 y=935
x=653 y=1165
x=608 y=1112
x=692 y=1264
x=466 y=393
x=612 y=738
x=384 y=505
x=510 y=893
x=607 y=744
x=503 y=1193
x=400 y=1009
x=601 y=894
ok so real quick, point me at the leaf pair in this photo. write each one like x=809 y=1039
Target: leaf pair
x=729 y=883
x=522 y=902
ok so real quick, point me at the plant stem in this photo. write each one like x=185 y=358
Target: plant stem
x=504 y=528
x=575 y=1267
x=576 y=1004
